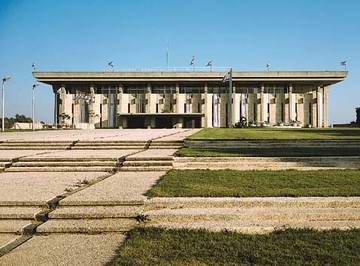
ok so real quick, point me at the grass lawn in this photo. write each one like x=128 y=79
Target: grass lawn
x=271 y=133
x=153 y=246
x=232 y=183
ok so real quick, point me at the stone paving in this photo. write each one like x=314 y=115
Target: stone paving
x=72 y=233
x=90 y=135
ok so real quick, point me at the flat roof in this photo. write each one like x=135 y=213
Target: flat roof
x=328 y=77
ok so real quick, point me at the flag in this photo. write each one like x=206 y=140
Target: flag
x=267 y=66
x=111 y=64
x=192 y=61
x=226 y=78
x=343 y=63
x=33 y=66
x=209 y=64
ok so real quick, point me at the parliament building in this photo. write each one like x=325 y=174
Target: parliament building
x=190 y=99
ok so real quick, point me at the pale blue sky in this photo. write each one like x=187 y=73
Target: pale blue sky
x=245 y=34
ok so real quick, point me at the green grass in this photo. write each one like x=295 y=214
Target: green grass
x=279 y=151
x=153 y=246
x=271 y=133
x=232 y=183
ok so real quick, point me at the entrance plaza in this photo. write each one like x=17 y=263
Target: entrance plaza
x=89 y=100
x=77 y=197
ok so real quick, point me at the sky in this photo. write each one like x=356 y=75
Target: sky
x=84 y=35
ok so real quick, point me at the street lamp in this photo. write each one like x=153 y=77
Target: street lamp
x=6 y=78
x=33 y=105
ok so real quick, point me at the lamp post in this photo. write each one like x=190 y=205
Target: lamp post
x=6 y=78
x=33 y=105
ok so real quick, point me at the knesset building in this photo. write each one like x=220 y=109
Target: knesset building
x=188 y=99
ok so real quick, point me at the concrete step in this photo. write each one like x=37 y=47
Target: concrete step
x=109 y=144
x=166 y=144
x=34 y=144
x=87 y=226
x=13 y=226
x=62 y=159
x=33 y=147
x=95 y=212
x=15 y=212
x=64 y=164
x=164 y=158
x=145 y=169
x=60 y=169
x=107 y=147
x=165 y=147
x=147 y=163
x=5 y=164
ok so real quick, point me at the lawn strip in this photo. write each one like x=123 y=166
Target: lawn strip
x=155 y=246
x=276 y=133
x=233 y=183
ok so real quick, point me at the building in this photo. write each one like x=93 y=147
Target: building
x=190 y=99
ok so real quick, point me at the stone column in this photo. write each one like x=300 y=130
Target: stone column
x=120 y=99
x=326 y=106
x=177 y=89
x=262 y=104
x=233 y=105
x=148 y=99
x=319 y=110
x=291 y=105
x=204 y=106
x=92 y=107
x=314 y=114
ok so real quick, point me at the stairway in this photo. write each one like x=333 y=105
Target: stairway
x=142 y=164
x=64 y=165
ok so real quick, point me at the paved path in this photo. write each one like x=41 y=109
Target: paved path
x=72 y=233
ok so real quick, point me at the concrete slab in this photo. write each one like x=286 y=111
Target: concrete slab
x=13 y=226
x=86 y=154
x=17 y=212
x=86 y=212
x=180 y=135
x=123 y=187
x=36 y=188
x=98 y=134
x=12 y=154
x=88 y=226
x=5 y=238
x=65 y=250
x=154 y=153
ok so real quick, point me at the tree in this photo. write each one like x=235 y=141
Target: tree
x=357 y=115
x=9 y=122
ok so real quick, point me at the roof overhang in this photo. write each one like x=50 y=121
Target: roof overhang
x=325 y=77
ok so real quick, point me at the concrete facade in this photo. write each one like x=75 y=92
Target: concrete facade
x=190 y=99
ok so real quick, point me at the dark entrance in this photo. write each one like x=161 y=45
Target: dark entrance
x=136 y=122
x=192 y=122
x=164 y=122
